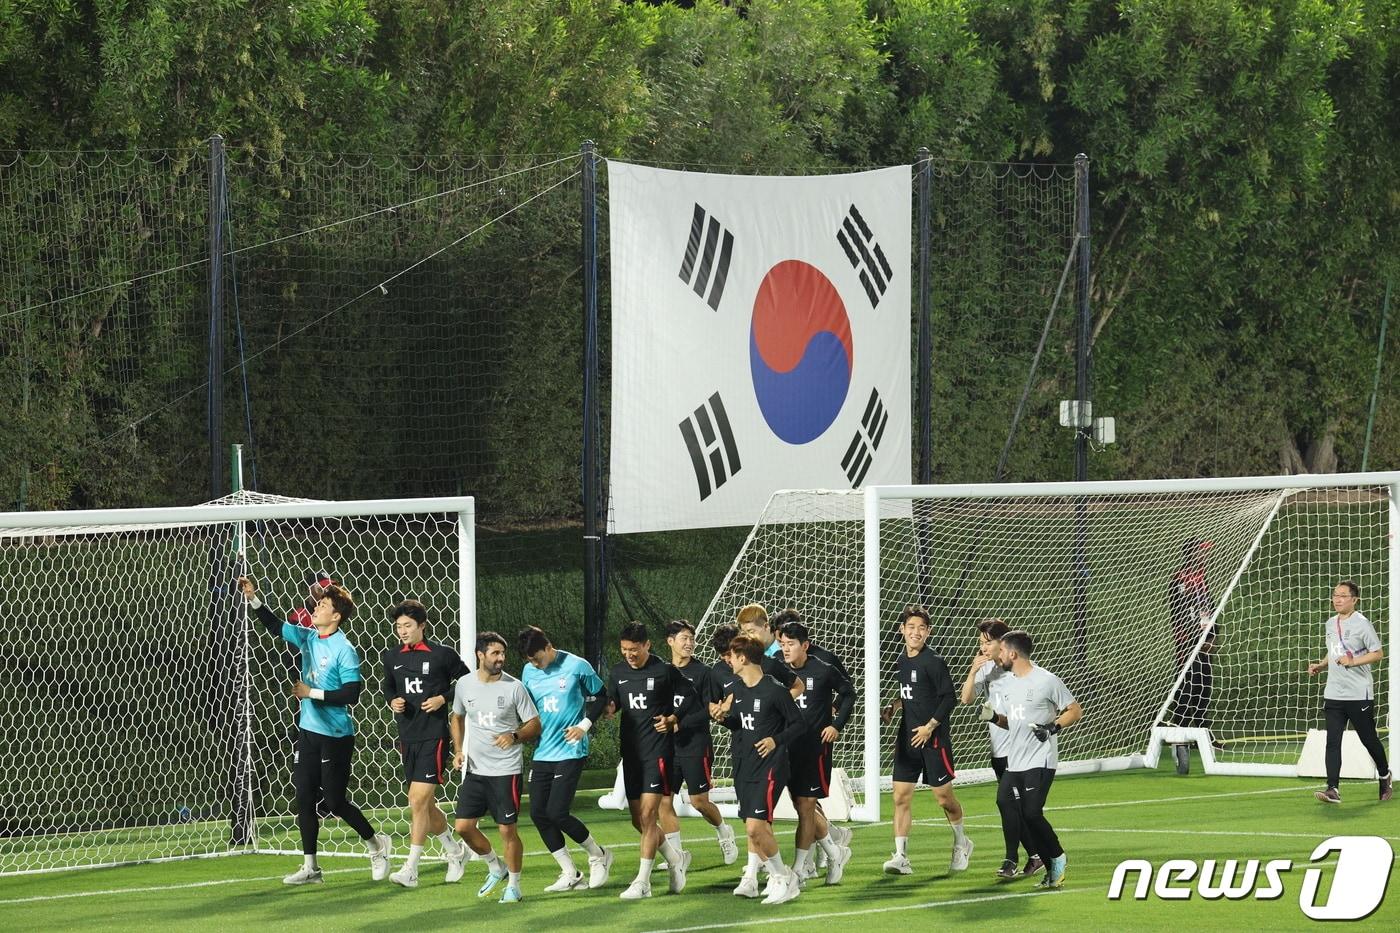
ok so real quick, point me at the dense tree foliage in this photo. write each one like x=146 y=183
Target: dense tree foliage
x=1245 y=162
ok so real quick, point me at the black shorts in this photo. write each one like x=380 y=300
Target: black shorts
x=809 y=768
x=694 y=773
x=931 y=764
x=648 y=776
x=425 y=762
x=483 y=793
x=758 y=793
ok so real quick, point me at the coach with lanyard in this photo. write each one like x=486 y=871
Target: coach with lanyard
x=1352 y=647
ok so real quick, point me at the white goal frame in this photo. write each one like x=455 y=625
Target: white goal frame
x=874 y=625
x=236 y=512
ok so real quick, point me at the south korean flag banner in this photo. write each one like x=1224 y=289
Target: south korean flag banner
x=760 y=340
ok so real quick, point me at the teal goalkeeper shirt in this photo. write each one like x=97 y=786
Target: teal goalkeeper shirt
x=326 y=664
x=773 y=649
x=560 y=692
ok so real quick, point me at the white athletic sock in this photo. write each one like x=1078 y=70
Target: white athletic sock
x=644 y=870
x=566 y=862
x=959 y=836
x=414 y=854
x=513 y=879
x=590 y=845
x=801 y=858
x=719 y=829
x=372 y=845
x=450 y=842
x=775 y=866
x=309 y=862
x=755 y=860
x=901 y=845
x=494 y=863
x=828 y=845
x=671 y=848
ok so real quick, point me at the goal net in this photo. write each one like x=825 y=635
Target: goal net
x=148 y=715
x=1096 y=573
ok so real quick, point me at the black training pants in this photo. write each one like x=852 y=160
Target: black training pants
x=322 y=772
x=1024 y=792
x=1362 y=716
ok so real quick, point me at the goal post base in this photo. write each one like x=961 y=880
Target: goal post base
x=1201 y=738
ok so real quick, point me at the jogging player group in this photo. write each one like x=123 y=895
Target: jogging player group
x=784 y=698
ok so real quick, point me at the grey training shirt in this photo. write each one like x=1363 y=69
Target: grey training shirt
x=494 y=708
x=1356 y=635
x=1038 y=697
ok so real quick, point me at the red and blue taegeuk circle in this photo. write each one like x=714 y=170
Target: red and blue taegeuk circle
x=800 y=351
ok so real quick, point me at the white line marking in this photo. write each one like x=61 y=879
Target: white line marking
x=866 y=912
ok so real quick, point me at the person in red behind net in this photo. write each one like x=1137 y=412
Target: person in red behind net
x=316 y=582
x=1192 y=611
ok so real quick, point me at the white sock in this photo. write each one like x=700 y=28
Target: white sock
x=901 y=845
x=775 y=866
x=414 y=854
x=959 y=836
x=450 y=842
x=494 y=864
x=590 y=845
x=720 y=827
x=800 y=860
x=644 y=870
x=513 y=879
x=828 y=845
x=566 y=862
x=309 y=862
x=751 y=868
x=671 y=848
x=372 y=845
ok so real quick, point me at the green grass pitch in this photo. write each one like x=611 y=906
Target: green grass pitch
x=1102 y=820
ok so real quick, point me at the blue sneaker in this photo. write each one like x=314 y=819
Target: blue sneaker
x=1054 y=873
x=492 y=879
x=512 y=895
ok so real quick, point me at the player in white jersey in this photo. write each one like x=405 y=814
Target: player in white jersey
x=985 y=681
x=1038 y=706
x=1352 y=647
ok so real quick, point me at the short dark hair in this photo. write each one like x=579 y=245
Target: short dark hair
x=531 y=641
x=1351 y=585
x=795 y=630
x=783 y=618
x=341 y=599
x=993 y=628
x=1019 y=641
x=485 y=640
x=911 y=612
x=679 y=625
x=411 y=608
x=750 y=648
x=724 y=634
x=635 y=632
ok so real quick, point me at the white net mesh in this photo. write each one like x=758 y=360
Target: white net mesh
x=147 y=715
x=1090 y=577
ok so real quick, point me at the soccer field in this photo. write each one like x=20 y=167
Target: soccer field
x=1102 y=820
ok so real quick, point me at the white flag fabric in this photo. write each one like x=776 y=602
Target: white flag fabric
x=760 y=340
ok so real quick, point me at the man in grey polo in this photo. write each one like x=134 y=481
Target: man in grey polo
x=1352 y=647
x=1037 y=707
x=501 y=717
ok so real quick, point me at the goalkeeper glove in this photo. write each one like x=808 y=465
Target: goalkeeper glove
x=986 y=713
x=1044 y=732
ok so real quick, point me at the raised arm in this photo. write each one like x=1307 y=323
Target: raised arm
x=264 y=614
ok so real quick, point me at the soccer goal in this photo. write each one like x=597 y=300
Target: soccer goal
x=146 y=715
x=1088 y=569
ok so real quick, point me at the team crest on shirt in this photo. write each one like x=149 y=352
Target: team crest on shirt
x=563 y=683
x=425 y=667
x=755 y=704
x=651 y=683
x=811 y=683
x=913 y=677
x=500 y=702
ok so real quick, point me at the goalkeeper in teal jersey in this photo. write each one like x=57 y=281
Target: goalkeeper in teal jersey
x=330 y=683
x=570 y=697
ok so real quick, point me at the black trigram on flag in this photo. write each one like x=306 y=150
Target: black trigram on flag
x=861 y=453
x=713 y=453
x=859 y=243
x=715 y=239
